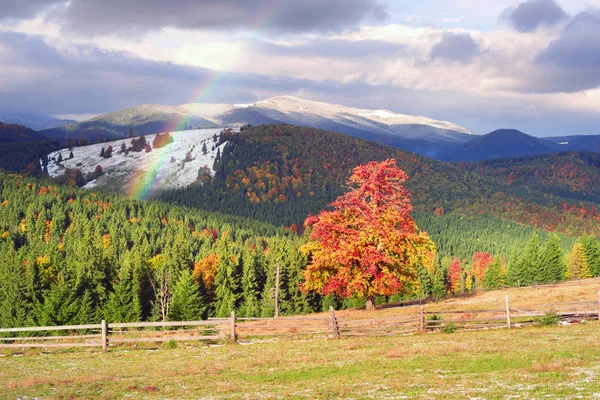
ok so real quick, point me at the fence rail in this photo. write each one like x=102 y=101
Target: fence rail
x=422 y=319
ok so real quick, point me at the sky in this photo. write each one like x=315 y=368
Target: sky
x=532 y=65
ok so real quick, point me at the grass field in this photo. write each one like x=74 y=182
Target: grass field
x=562 y=361
x=532 y=362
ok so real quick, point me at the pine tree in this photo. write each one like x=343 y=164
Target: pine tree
x=493 y=276
x=577 y=265
x=227 y=286
x=531 y=261
x=438 y=290
x=103 y=153
x=204 y=149
x=250 y=306
x=123 y=303
x=59 y=306
x=592 y=253
x=513 y=267
x=187 y=303
x=553 y=266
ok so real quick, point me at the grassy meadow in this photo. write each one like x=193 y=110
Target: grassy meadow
x=529 y=362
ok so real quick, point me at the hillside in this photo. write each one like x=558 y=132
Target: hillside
x=404 y=131
x=577 y=142
x=499 y=144
x=282 y=173
x=574 y=175
x=175 y=163
x=12 y=133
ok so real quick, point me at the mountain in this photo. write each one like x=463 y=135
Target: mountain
x=13 y=133
x=141 y=120
x=419 y=134
x=576 y=142
x=499 y=144
x=35 y=121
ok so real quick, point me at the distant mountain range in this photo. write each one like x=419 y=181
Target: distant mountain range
x=36 y=122
x=418 y=134
x=441 y=140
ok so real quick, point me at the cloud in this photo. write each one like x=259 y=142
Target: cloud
x=20 y=9
x=531 y=14
x=136 y=17
x=334 y=48
x=36 y=77
x=455 y=47
x=578 y=46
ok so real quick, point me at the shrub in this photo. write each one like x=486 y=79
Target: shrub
x=450 y=328
x=548 y=319
x=171 y=344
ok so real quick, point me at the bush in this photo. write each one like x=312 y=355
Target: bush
x=450 y=328
x=548 y=319
x=171 y=344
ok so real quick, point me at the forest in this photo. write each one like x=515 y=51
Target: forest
x=69 y=255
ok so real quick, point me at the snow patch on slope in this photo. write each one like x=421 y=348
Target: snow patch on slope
x=120 y=170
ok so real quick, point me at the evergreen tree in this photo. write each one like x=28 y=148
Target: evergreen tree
x=59 y=306
x=513 y=267
x=493 y=276
x=531 y=261
x=187 y=303
x=250 y=305
x=204 y=149
x=577 y=265
x=592 y=253
x=123 y=303
x=553 y=266
x=227 y=292
x=103 y=153
x=438 y=290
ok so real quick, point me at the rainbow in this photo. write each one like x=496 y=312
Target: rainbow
x=143 y=183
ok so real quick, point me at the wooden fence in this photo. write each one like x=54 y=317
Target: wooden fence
x=418 y=318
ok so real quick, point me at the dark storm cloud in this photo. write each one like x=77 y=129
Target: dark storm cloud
x=529 y=15
x=18 y=9
x=344 y=49
x=455 y=47
x=89 y=80
x=99 y=17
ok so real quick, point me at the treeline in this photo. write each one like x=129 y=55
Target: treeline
x=532 y=263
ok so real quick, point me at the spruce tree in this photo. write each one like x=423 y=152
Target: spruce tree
x=123 y=303
x=492 y=278
x=531 y=261
x=513 y=267
x=592 y=254
x=553 y=265
x=250 y=305
x=438 y=289
x=187 y=303
x=227 y=292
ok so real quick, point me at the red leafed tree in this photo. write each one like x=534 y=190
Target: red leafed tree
x=368 y=245
x=480 y=264
x=454 y=273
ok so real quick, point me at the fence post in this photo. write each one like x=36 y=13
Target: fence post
x=233 y=337
x=104 y=335
x=277 y=291
x=334 y=324
x=421 y=318
x=507 y=313
x=598 y=305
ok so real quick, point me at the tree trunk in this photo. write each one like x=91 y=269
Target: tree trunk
x=370 y=303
